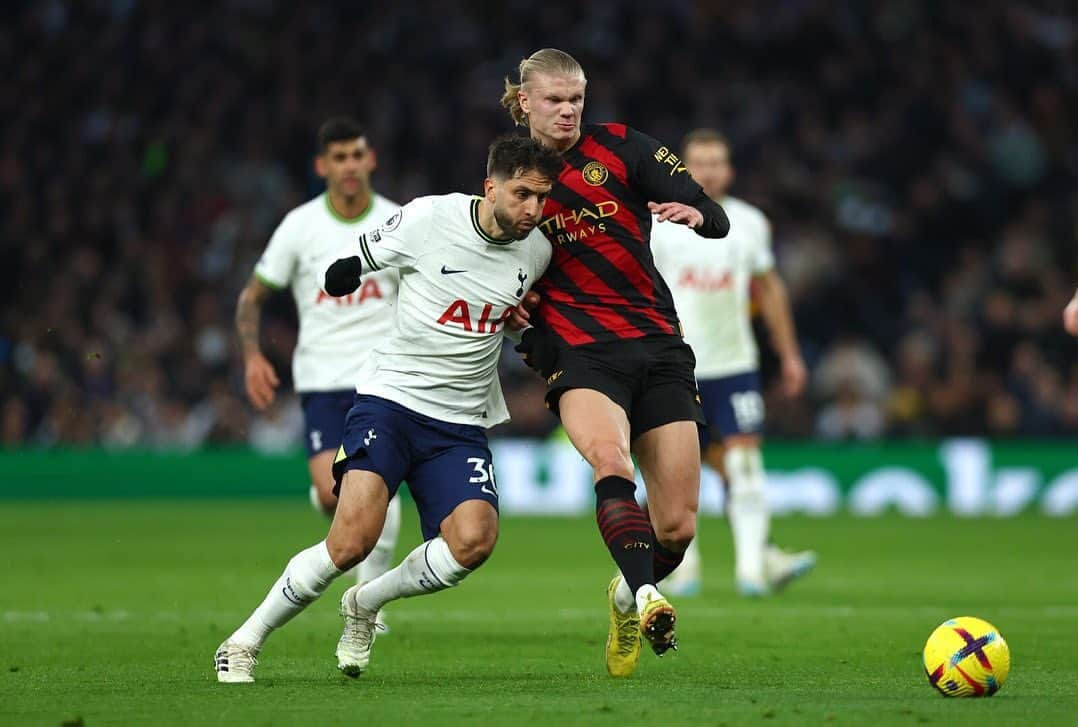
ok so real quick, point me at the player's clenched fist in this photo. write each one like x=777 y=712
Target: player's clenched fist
x=261 y=381
x=521 y=315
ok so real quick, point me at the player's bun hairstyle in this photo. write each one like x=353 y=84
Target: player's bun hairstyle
x=338 y=128
x=511 y=155
x=703 y=136
x=548 y=61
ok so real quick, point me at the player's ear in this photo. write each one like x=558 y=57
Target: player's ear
x=372 y=157
x=522 y=99
x=320 y=166
x=488 y=189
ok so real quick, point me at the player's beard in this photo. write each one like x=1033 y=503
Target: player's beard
x=508 y=226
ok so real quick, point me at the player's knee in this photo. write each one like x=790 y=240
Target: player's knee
x=347 y=552
x=610 y=458
x=744 y=471
x=677 y=535
x=472 y=543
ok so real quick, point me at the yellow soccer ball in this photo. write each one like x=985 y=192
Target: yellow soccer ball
x=967 y=657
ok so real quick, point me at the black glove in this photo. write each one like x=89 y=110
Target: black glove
x=342 y=277
x=540 y=351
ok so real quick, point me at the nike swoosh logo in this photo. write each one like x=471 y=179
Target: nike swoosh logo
x=447 y=271
x=488 y=491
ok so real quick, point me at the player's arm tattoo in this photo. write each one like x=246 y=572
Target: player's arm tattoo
x=249 y=314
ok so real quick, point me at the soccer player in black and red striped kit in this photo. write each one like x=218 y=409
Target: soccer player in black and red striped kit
x=607 y=339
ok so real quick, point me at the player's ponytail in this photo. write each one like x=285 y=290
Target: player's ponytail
x=548 y=61
x=511 y=102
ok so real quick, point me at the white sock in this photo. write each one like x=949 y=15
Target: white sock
x=746 y=507
x=305 y=578
x=623 y=597
x=381 y=558
x=644 y=594
x=427 y=569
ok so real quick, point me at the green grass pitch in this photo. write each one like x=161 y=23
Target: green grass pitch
x=110 y=613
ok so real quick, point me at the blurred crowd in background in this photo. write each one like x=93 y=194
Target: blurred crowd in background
x=917 y=160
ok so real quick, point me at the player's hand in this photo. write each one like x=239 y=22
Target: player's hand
x=682 y=214
x=794 y=376
x=1070 y=316
x=261 y=381
x=539 y=351
x=521 y=315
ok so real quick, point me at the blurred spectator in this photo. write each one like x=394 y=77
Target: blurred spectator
x=918 y=161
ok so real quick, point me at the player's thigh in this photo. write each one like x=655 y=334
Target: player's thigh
x=599 y=429
x=669 y=459
x=370 y=463
x=456 y=492
x=359 y=517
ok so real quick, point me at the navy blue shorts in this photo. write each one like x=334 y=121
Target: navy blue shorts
x=732 y=405
x=323 y=418
x=445 y=464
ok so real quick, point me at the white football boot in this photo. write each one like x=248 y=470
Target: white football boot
x=783 y=568
x=234 y=663
x=360 y=628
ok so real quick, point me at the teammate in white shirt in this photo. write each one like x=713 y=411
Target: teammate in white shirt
x=711 y=287
x=334 y=333
x=424 y=397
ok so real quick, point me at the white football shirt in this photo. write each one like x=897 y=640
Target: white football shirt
x=710 y=282
x=457 y=287
x=335 y=334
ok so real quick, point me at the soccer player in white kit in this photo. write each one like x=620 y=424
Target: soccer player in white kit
x=711 y=287
x=334 y=333
x=424 y=397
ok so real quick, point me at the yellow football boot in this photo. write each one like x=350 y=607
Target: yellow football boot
x=623 y=642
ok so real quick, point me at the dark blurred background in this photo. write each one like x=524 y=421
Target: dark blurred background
x=917 y=160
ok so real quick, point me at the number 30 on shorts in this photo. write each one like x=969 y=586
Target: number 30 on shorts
x=483 y=475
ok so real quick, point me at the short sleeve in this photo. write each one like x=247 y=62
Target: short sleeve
x=659 y=172
x=762 y=259
x=399 y=241
x=277 y=265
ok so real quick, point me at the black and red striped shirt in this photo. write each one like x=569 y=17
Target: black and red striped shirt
x=602 y=284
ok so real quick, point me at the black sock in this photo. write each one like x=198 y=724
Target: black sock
x=625 y=530
x=666 y=560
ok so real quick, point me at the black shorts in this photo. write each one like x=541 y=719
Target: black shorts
x=651 y=378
